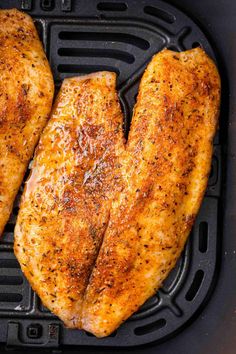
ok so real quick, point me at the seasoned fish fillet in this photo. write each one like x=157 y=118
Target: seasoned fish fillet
x=65 y=206
x=165 y=168
x=26 y=93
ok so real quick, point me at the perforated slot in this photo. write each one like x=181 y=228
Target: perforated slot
x=195 y=286
x=151 y=327
x=163 y=15
x=14 y=290
x=9 y=263
x=105 y=37
x=112 y=6
x=9 y=297
x=13 y=280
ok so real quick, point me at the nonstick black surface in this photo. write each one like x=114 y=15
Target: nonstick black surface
x=195 y=310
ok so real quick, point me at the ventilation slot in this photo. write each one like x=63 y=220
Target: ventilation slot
x=163 y=15
x=10 y=297
x=10 y=280
x=151 y=327
x=97 y=53
x=203 y=236
x=195 y=286
x=112 y=6
x=9 y=263
x=106 y=37
x=85 y=69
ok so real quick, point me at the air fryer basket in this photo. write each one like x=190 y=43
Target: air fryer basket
x=121 y=36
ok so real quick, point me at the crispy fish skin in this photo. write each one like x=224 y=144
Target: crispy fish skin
x=166 y=168
x=26 y=94
x=65 y=206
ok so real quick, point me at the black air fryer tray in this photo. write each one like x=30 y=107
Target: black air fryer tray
x=80 y=37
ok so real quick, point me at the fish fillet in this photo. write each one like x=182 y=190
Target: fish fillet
x=66 y=202
x=26 y=93
x=165 y=168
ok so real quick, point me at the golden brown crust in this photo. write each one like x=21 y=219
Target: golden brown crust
x=153 y=189
x=166 y=167
x=26 y=93
x=65 y=207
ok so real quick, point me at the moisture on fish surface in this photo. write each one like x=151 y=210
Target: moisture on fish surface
x=101 y=223
x=26 y=93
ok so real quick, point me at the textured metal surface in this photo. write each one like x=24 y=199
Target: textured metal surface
x=121 y=37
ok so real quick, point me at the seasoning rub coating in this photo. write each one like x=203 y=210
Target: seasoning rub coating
x=65 y=206
x=102 y=224
x=166 y=167
x=26 y=94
